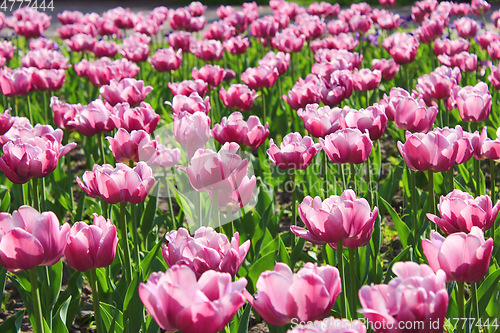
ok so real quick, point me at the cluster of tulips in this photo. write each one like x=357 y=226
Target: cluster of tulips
x=203 y=144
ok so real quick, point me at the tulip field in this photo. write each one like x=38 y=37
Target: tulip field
x=318 y=169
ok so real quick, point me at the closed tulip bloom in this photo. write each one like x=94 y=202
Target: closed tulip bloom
x=192 y=130
x=29 y=239
x=32 y=157
x=260 y=77
x=371 y=119
x=460 y=212
x=467 y=62
x=217 y=171
x=142 y=117
x=439 y=84
x=487 y=148
x=360 y=23
x=474 y=103
x=127 y=90
x=219 y=30
x=337 y=89
x=365 y=79
x=178 y=302
x=207 y=50
x=187 y=87
x=91 y=246
x=344 y=41
x=303 y=92
x=280 y=61
x=179 y=40
x=288 y=42
x=479 y=7
x=47 y=79
x=430 y=29
x=104 y=48
x=164 y=157
x=15 y=82
x=390 y=21
x=461 y=9
x=206 y=250
x=463 y=257
x=404 y=54
x=237 y=44
x=135 y=52
x=234 y=128
x=69 y=17
x=466 y=142
x=166 y=60
x=487 y=37
x=412 y=114
x=93 y=119
x=6 y=50
x=389 y=68
x=118 y=184
x=325 y=9
x=234 y=201
x=338 y=218
x=211 y=74
x=416 y=298
x=336 y=27
x=134 y=146
x=450 y=47
x=64 y=112
x=238 y=97
x=6 y=121
x=348 y=145
x=494 y=77
x=466 y=27
x=295 y=152
x=81 y=43
x=431 y=151
x=282 y=296
x=191 y=104
x=321 y=121
x=265 y=27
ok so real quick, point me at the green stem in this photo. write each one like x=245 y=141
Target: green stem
x=432 y=205
x=475 y=306
x=170 y=206
x=451 y=181
x=44 y=93
x=125 y=245
x=135 y=233
x=340 y=261
x=367 y=100
x=352 y=297
x=215 y=209
x=29 y=108
x=493 y=193
x=36 y=202
x=264 y=106
x=101 y=147
x=324 y=167
x=369 y=181
x=67 y=158
x=294 y=207
x=95 y=299
x=460 y=304
x=353 y=177
x=35 y=295
x=342 y=176
x=414 y=209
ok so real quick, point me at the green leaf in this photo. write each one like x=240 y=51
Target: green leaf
x=13 y=324
x=401 y=227
x=296 y=252
x=147 y=220
x=133 y=309
x=284 y=257
x=59 y=319
x=399 y=257
x=244 y=319
x=146 y=262
x=486 y=290
x=112 y=318
x=266 y=263
x=4 y=206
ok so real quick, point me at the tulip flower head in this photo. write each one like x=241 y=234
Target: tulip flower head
x=295 y=152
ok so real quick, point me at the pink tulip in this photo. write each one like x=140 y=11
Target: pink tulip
x=288 y=42
x=102 y=71
x=142 y=117
x=135 y=52
x=347 y=145
x=416 y=299
x=390 y=21
x=460 y=212
x=164 y=157
x=130 y=91
x=91 y=246
x=238 y=97
x=148 y=26
x=431 y=151
x=29 y=239
x=303 y=92
x=207 y=250
x=439 y=84
x=69 y=17
x=6 y=122
x=487 y=148
x=32 y=157
x=412 y=114
x=344 y=41
x=325 y=9
x=93 y=119
x=421 y=8
x=337 y=89
x=104 y=48
x=81 y=43
x=338 y=218
x=265 y=27
x=487 y=37
x=45 y=59
x=119 y=184
x=467 y=62
x=234 y=129
x=479 y=7
x=365 y=79
x=321 y=121
x=179 y=40
x=217 y=171
x=360 y=23
x=177 y=302
x=353 y=59
x=107 y=27
x=430 y=29
x=463 y=257
x=461 y=9
x=207 y=50
x=192 y=130
x=466 y=27
x=166 y=60
x=280 y=61
x=260 y=77
x=282 y=296
x=336 y=27
x=132 y=147
x=237 y=45
x=179 y=18
x=389 y=68
x=69 y=30
x=21 y=130
x=6 y=50
x=466 y=142
x=474 y=103
x=211 y=74
x=64 y=113
x=450 y=47
x=191 y=103
x=15 y=82
x=219 y=30
x=295 y=152
x=372 y=119
x=187 y=87
x=47 y=79
x=196 y=8
x=232 y=202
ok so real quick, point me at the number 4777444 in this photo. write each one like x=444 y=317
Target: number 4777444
x=42 y=5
